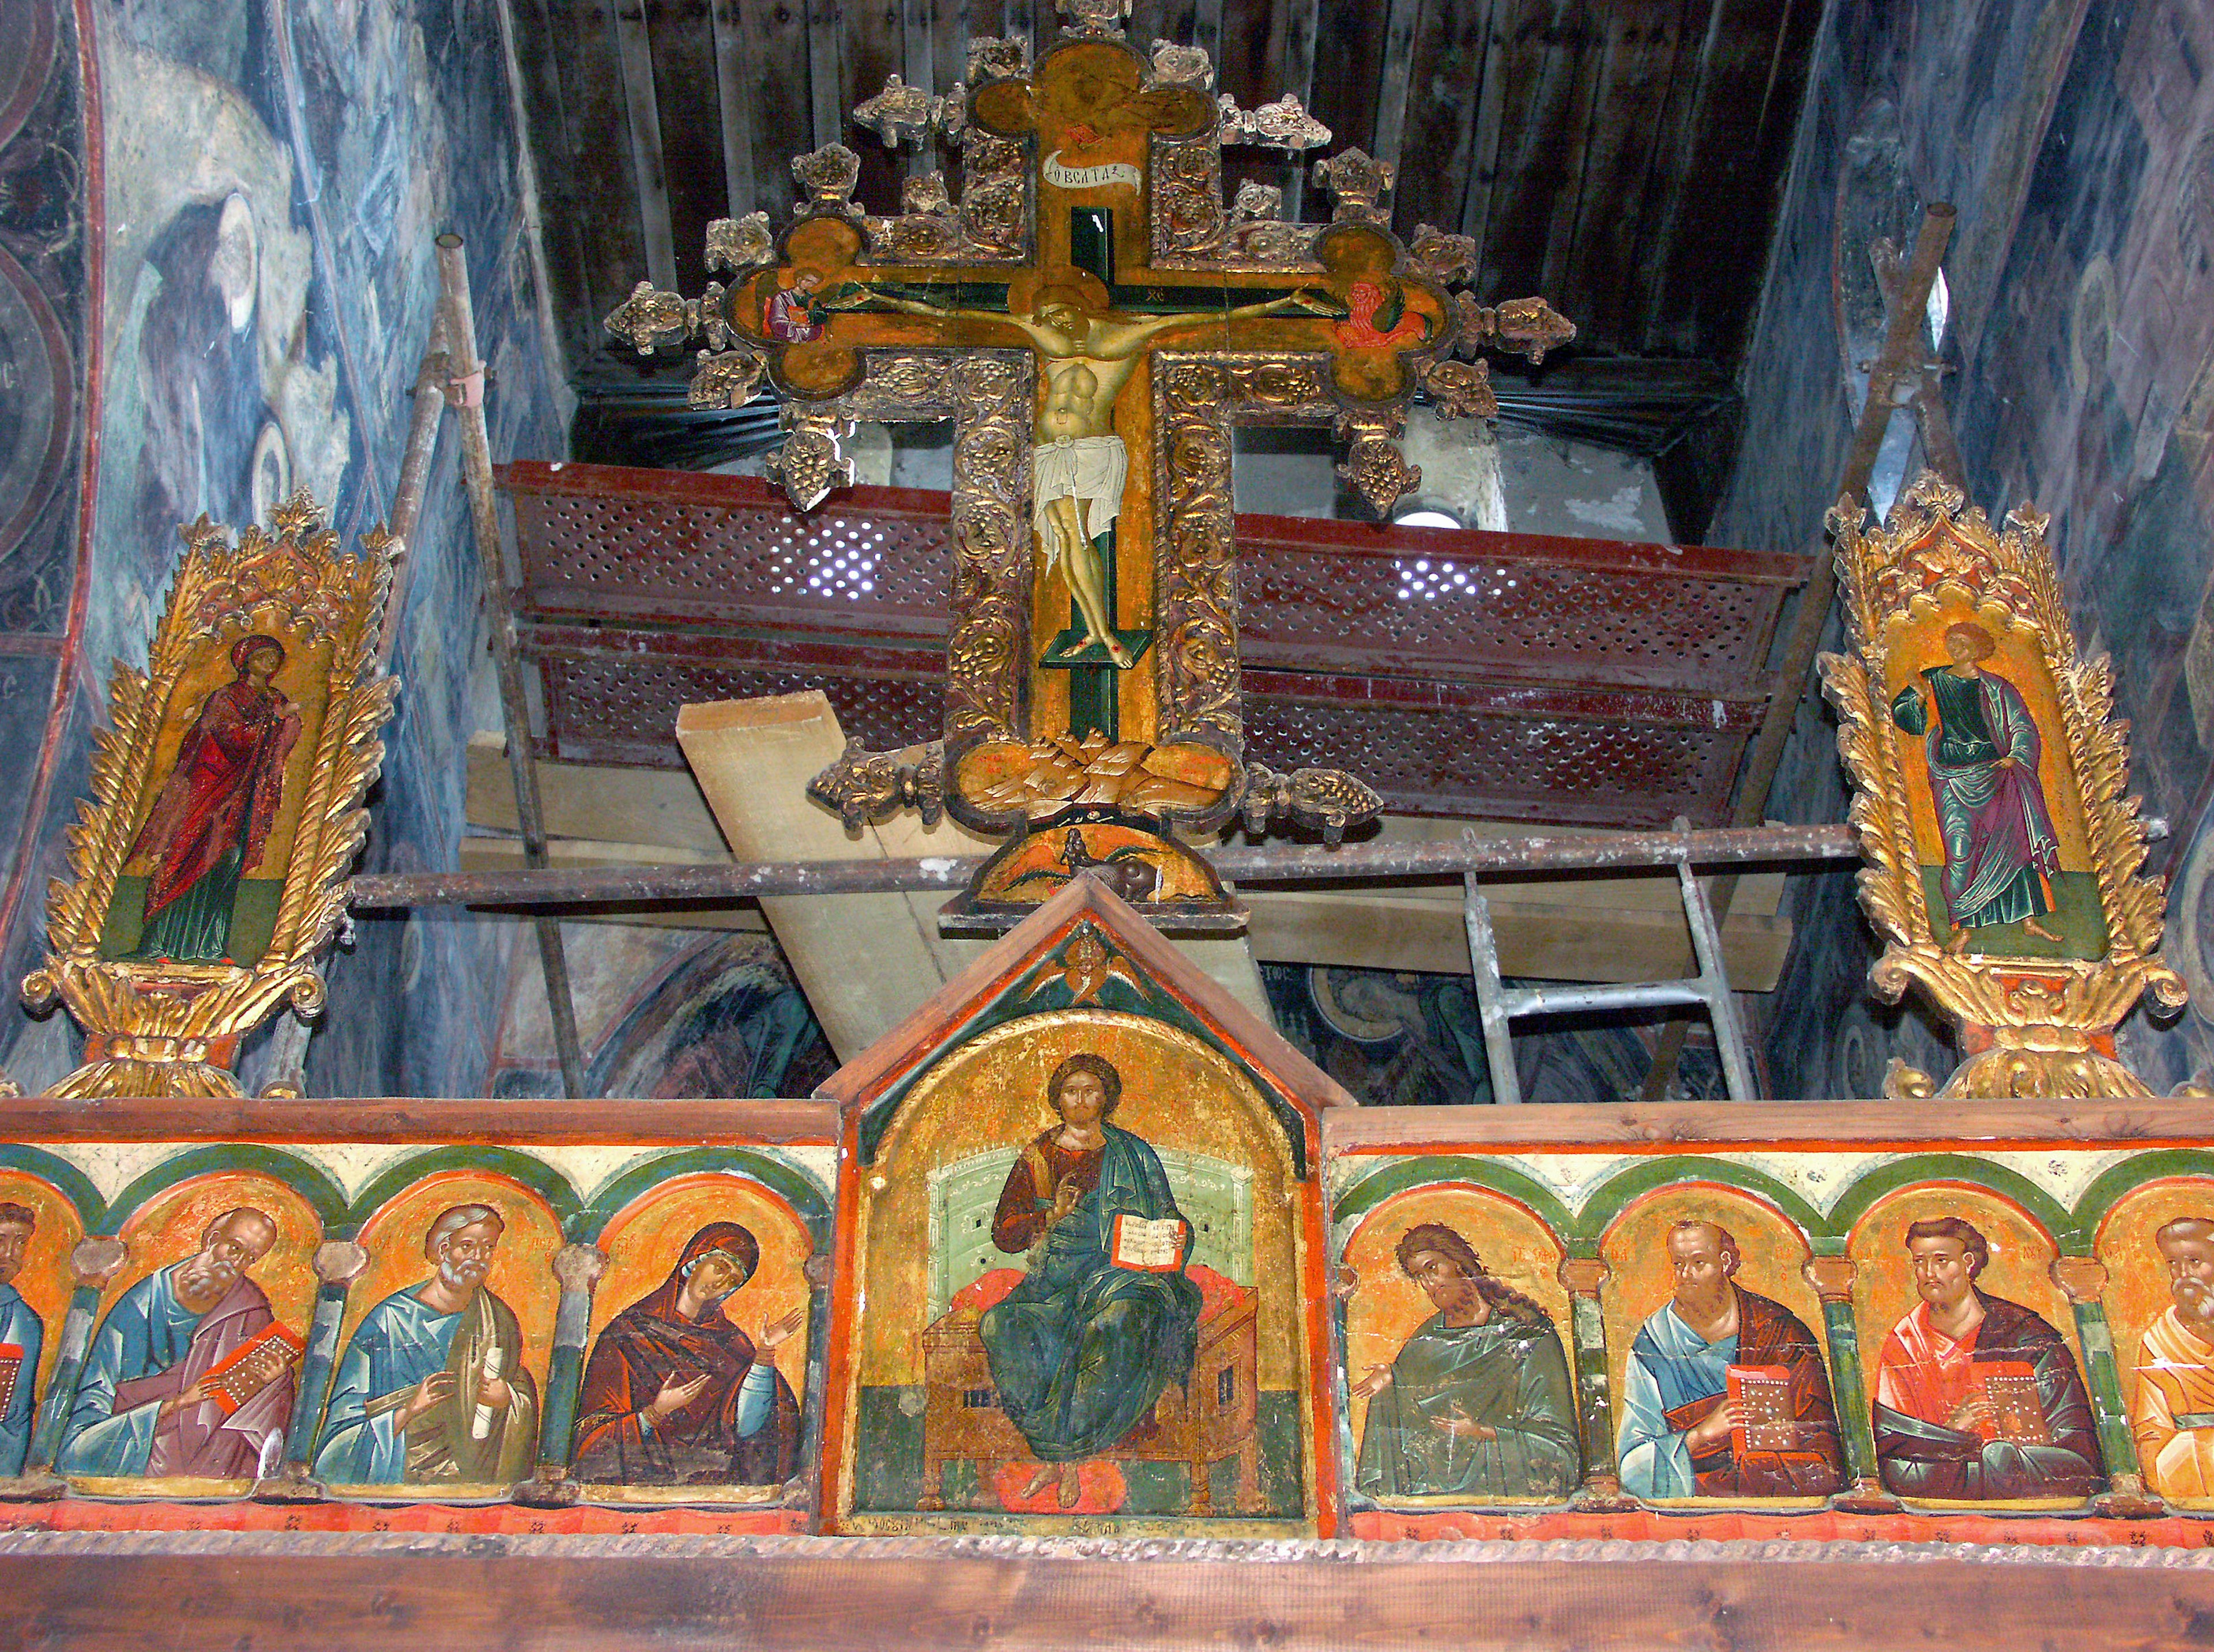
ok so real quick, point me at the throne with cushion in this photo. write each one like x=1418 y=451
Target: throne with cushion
x=1199 y=1425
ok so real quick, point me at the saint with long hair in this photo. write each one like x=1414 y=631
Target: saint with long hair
x=2001 y=852
x=210 y=823
x=677 y=1393
x=1083 y=1347
x=1478 y=1402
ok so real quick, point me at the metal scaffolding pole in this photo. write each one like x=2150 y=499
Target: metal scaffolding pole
x=625 y=886
x=499 y=613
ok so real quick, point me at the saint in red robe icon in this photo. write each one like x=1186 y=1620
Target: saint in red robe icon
x=210 y=824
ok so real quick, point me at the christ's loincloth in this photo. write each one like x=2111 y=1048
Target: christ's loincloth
x=1088 y=468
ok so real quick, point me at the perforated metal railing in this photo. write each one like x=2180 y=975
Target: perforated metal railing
x=1503 y=675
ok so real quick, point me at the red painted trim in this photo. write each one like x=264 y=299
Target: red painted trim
x=841 y=1397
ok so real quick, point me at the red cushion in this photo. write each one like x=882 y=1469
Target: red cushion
x=1216 y=1293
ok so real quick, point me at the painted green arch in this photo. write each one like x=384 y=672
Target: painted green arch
x=795 y=1189
x=1626 y=1186
x=1885 y=1179
x=71 y=1183
x=1402 y=1175
x=2117 y=1183
x=323 y=1195
x=541 y=1178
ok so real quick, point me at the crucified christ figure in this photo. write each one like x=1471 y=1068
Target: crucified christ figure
x=1085 y=355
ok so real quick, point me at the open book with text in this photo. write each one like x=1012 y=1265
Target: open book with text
x=1149 y=1246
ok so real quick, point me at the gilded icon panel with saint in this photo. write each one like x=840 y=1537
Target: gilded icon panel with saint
x=1976 y=1385
x=1456 y=1339
x=204 y=873
x=39 y=1227
x=699 y=1346
x=1998 y=826
x=439 y=1379
x=1719 y=1368
x=190 y=1372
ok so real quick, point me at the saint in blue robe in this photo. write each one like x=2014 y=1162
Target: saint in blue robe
x=149 y=1350
x=401 y=1341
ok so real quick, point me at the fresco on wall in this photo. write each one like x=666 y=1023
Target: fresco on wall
x=272 y=187
x=700 y=1344
x=1404 y=1038
x=2080 y=291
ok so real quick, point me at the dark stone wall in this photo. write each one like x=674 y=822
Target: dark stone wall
x=270 y=179
x=2078 y=142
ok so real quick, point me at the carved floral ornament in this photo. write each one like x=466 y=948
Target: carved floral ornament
x=168 y=1026
x=2037 y=975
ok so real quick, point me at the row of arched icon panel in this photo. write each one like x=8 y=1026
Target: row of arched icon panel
x=443 y=1371
x=1723 y=1362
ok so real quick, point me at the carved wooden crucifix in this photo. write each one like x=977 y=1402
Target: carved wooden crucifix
x=1094 y=322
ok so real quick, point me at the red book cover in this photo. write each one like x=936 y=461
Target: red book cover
x=11 y=1368
x=227 y=1382
x=2010 y=1384
x=1762 y=1394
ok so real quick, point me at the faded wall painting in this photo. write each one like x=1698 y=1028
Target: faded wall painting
x=1721 y=1384
x=1456 y=1338
x=1082 y=1277
x=700 y=1338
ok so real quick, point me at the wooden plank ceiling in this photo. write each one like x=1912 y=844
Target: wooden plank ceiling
x=1622 y=157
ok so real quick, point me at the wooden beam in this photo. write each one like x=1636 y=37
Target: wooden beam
x=506 y=855
x=865 y=961
x=810 y=1594
x=634 y=45
x=661 y=806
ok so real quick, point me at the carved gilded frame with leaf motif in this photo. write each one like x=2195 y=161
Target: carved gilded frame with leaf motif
x=2036 y=1017
x=170 y=1027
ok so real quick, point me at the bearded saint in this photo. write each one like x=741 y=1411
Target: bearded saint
x=213 y=816
x=1082 y=1348
x=144 y=1407
x=2173 y=1421
x=432 y=1385
x=676 y=1394
x=1681 y=1431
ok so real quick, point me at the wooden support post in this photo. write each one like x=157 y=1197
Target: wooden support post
x=1831 y=1279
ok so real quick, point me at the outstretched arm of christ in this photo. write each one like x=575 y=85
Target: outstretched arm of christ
x=871 y=298
x=1125 y=338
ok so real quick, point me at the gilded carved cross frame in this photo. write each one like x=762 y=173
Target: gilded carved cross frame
x=1093 y=319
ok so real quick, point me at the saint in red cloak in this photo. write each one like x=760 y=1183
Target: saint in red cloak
x=673 y=1396
x=210 y=823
